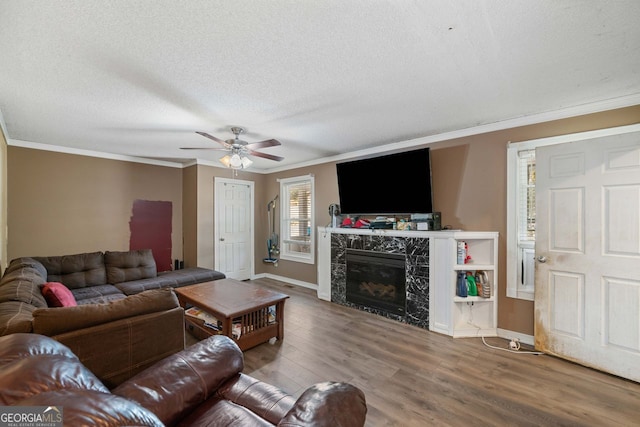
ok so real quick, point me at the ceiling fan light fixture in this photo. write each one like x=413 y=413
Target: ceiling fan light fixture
x=226 y=161
x=236 y=161
x=246 y=162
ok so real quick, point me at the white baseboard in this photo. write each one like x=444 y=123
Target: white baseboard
x=287 y=280
x=525 y=339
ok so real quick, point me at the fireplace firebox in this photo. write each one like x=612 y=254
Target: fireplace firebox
x=376 y=280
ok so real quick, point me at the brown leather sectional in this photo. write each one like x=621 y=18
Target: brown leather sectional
x=202 y=385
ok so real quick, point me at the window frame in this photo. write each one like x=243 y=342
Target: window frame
x=515 y=247
x=285 y=202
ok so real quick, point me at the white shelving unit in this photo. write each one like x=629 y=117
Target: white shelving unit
x=324 y=263
x=457 y=316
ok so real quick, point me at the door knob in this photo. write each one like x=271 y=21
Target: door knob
x=222 y=239
x=542 y=259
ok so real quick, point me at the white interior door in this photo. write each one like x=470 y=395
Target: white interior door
x=234 y=228
x=587 y=291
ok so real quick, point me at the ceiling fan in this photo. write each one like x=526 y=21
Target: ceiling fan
x=239 y=150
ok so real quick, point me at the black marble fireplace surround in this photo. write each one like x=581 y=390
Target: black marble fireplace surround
x=416 y=252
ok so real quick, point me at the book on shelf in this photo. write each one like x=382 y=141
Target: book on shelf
x=271 y=318
x=203 y=317
x=236 y=331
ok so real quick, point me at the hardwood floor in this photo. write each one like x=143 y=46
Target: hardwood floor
x=413 y=377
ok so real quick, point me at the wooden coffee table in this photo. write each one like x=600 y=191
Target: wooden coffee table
x=240 y=306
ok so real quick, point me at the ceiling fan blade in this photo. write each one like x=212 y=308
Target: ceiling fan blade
x=265 y=155
x=204 y=148
x=213 y=138
x=263 y=144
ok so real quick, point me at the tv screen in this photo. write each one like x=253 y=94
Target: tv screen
x=392 y=184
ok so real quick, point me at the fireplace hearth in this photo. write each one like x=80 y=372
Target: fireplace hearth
x=376 y=280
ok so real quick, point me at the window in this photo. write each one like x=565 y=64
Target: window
x=527 y=195
x=297 y=219
x=521 y=221
x=521 y=216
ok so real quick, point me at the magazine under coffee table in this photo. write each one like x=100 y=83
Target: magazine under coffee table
x=243 y=311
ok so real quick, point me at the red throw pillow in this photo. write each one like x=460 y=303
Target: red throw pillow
x=58 y=295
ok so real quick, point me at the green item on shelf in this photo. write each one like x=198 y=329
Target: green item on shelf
x=472 y=289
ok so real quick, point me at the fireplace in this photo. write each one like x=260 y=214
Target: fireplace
x=376 y=280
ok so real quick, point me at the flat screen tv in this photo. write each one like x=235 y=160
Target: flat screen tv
x=393 y=184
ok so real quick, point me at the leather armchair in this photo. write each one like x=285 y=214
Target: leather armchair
x=201 y=385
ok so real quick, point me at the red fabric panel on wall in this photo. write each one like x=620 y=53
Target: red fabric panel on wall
x=150 y=227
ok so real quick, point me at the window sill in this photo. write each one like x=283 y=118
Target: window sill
x=523 y=295
x=304 y=260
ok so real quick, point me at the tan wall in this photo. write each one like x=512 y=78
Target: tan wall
x=3 y=201
x=190 y=215
x=326 y=186
x=62 y=203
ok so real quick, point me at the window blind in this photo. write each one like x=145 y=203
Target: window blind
x=527 y=195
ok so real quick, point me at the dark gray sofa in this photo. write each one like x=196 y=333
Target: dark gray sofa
x=92 y=278
x=127 y=316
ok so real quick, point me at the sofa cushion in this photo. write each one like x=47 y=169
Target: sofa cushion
x=54 y=321
x=192 y=275
x=19 y=346
x=22 y=284
x=129 y=265
x=170 y=279
x=328 y=404
x=99 y=294
x=48 y=364
x=75 y=271
x=136 y=286
x=27 y=262
x=58 y=295
x=90 y=408
x=16 y=316
x=265 y=399
x=39 y=371
x=175 y=386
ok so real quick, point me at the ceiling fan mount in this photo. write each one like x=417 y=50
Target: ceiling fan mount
x=237 y=131
x=239 y=150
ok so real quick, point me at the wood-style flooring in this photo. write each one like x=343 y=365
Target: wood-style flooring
x=413 y=377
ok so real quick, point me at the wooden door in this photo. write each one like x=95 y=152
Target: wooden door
x=587 y=292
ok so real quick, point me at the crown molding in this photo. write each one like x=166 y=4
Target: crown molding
x=90 y=153
x=580 y=110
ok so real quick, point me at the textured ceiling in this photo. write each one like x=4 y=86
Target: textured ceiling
x=326 y=78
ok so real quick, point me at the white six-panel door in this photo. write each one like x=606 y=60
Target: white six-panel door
x=587 y=291
x=234 y=228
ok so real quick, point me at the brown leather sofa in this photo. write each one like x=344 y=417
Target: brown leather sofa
x=202 y=385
